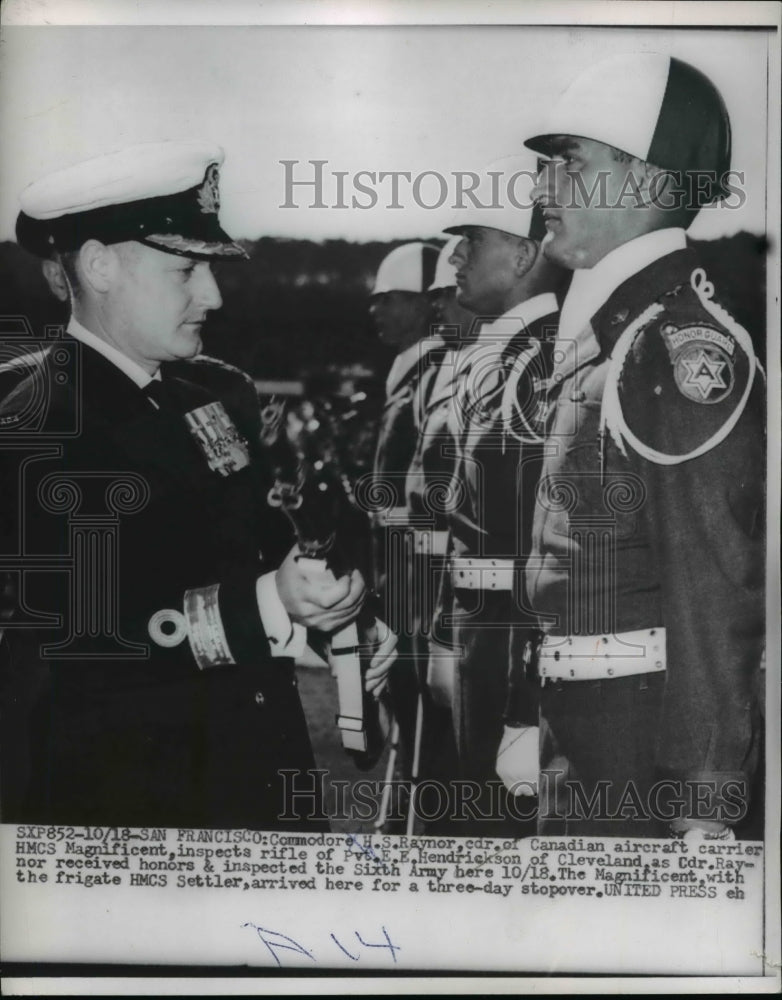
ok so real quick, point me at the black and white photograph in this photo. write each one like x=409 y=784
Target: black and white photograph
x=389 y=497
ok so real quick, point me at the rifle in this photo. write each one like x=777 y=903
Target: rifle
x=330 y=527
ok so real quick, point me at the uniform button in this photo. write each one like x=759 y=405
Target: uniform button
x=259 y=698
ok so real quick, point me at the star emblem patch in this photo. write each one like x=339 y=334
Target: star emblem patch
x=704 y=373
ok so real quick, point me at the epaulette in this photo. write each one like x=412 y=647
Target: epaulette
x=24 y=385
x=29 y=360
x=702 y=365
x=206 y=362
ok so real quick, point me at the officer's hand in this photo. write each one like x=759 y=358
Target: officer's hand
x=518 y=760
x=312 y=595
x=383 y=658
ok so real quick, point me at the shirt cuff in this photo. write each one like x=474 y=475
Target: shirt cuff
x=286 y=638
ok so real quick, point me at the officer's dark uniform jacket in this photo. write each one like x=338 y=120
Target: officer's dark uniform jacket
x=111 y=727
x=634 y=539
x=495 y=479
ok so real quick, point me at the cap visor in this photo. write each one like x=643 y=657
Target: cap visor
x=221 y=247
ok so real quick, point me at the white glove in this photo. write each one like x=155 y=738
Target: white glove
x=518 y=759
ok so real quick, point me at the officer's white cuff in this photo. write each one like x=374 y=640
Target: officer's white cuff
x=286 y=638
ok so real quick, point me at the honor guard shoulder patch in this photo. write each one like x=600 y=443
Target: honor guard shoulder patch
x=703 y=362
x=705 y=358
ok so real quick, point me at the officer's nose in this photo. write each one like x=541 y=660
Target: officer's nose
x=377 y=305
x=208 y=294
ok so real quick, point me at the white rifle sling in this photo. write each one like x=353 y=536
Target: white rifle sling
x=346 y=669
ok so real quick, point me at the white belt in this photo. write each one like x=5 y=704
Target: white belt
x=392 y=517
x=428 y=542
x=599 y=657
x=482 y=574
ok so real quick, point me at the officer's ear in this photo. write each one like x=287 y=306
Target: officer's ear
x=55 y=277
x=98 y=265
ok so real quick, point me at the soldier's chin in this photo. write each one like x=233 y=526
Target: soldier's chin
x=557 y=249
x=549 y=247
x=462 y=299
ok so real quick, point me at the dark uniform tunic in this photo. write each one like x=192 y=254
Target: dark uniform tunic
x=429 y=490
x=408 y=386
x=631 y=539
x=429 y=482
x=496 y=477
x=109 y=727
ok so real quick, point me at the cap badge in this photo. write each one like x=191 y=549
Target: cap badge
x=209 y=193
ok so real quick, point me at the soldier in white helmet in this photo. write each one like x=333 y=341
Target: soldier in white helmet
x=404 y=319
x=504 y=279
x=648 y=552
x=428 y=485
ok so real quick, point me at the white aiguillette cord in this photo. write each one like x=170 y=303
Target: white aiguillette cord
x=611 y=416
x=510 y=409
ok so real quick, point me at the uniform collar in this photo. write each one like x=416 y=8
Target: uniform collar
x=126 y=365
x=523 y=314
x=406 y=361
x=592 y=287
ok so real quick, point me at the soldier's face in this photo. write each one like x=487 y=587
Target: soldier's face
x=157 y=304
x=401 y=318
x=485 y=262
x=590 y=201
x=448 y=311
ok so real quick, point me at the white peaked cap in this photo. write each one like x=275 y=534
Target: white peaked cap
x=409 y=268
x=445 y=272
x=503 y=196
x=148 y=170
x=163 y=194
x=654 y=107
